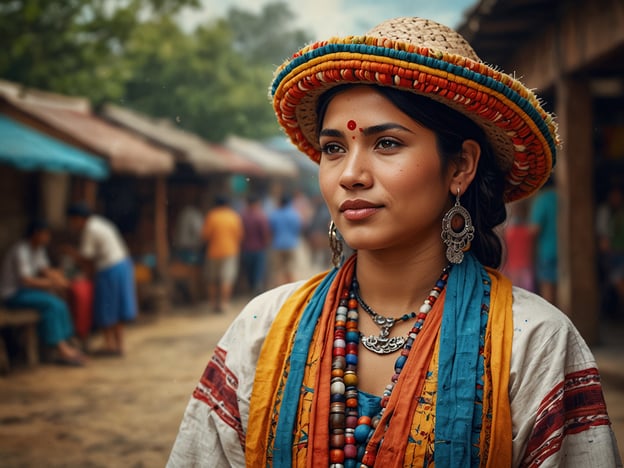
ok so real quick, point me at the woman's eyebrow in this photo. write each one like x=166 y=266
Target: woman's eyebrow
x=330 y=132
x=383 y=128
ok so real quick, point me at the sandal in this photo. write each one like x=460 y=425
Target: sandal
x=77 y=361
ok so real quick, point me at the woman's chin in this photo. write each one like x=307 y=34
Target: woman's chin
x=363 y=244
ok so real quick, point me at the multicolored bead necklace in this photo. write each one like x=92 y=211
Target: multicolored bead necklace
x=349 y=433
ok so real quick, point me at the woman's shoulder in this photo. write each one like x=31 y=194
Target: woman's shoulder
x=266 y=305
x=534 y=314
x=530 y=307
x=257 y=316
x=540 y=328
x=242 y=342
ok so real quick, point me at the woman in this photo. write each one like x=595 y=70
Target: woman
x=415 y=351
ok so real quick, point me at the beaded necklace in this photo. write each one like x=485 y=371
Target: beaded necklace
x=349 y=433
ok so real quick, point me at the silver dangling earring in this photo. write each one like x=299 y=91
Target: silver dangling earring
x=457 y=231
x=335 y=244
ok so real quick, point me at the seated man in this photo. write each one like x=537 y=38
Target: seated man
x=27 y=281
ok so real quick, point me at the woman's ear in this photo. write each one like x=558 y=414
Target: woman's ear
x=465 y=169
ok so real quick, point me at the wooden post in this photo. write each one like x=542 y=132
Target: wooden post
x=53 y=197
x=90 y=193
x=578 y=279
x=160 y=225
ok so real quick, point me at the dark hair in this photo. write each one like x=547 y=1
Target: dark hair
x=35 y=226
x=484 y=198
x=79 y=209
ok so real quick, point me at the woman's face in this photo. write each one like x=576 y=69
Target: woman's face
x=381 y=174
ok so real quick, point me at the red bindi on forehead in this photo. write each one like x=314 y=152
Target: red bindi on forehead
x=351 y=125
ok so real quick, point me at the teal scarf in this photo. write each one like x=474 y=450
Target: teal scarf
x=460 y=369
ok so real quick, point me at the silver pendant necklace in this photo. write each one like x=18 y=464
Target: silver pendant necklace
x=383 y=343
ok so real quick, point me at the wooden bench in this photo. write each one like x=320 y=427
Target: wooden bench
x=24 y=323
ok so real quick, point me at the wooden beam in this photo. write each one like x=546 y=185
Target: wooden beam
x=578 y=280
x=577 y=39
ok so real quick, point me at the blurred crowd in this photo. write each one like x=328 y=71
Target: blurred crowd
x=85 y=282
x=531 y=241
x=246 y=245
x=243 y=246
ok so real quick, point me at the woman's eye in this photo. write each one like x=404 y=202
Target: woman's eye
x=388 y=143
x=331 y=148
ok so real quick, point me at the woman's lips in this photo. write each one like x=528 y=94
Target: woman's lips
x=356 y=210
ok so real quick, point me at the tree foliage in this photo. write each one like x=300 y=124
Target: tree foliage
x=72 y=46
x=264 y=39
x=212 y=80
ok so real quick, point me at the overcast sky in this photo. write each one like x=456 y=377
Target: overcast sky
x=326 y=18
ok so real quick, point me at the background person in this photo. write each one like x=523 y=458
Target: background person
x=27 y=280
x=415 y=351
x=286 y=229
x=187 y=241
x=223 y=233
x=186 y=266
x=543 y=224
x=316 y=235
x=519 y=239
x=610 y=233
x=103 y=255
x=256 y=242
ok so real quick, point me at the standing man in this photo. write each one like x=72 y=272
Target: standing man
x=223 y=234
x=187 y=242
x=28 y=281
x=286 y=226
x=103 y=254
x=256 y=242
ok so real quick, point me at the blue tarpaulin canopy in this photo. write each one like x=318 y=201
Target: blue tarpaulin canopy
x=29 y=150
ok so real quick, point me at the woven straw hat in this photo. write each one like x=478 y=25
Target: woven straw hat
x=426 y=58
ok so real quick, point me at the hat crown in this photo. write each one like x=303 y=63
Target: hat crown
x=424 y=33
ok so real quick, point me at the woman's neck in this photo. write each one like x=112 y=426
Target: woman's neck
x=397 y=284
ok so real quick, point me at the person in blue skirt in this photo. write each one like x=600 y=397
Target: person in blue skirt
x=27 y=281
x=104 y=254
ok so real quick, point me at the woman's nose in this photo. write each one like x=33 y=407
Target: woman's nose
x=356 y=172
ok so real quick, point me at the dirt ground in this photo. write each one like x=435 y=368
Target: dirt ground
x=125 y=412
x=116 y=412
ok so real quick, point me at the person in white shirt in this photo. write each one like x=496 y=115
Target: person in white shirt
x=27 y=281
x=103 y=252
x=187 y=241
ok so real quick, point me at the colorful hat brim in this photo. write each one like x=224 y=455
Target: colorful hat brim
x=522 y=134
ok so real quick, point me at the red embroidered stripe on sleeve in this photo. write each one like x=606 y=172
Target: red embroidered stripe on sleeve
x=217 y=388
x=571 y=407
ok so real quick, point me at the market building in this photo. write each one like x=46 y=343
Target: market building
x=573 y=53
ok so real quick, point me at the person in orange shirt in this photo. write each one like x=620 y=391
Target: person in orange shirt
x=223 y=233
